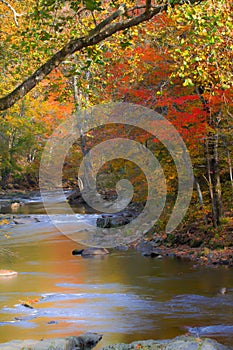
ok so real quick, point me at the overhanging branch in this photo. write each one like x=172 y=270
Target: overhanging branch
x=103 y=30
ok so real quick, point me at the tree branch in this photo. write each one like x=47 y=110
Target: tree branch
x=98 y=34
x=15 y=14
x=148 y=5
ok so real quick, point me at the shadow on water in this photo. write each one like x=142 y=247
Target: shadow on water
x=123 y=295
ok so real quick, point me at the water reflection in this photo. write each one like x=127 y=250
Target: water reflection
x=123 y=295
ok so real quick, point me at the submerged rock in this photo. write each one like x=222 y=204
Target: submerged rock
x=90 y=251
x=179 y=343
x=94 y=251
x=86 y=341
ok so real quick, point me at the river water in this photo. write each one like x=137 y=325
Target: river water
x=122 y=295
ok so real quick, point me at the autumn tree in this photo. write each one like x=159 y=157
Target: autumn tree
x=57 y=30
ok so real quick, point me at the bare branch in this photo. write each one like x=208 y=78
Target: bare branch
x=15 y=14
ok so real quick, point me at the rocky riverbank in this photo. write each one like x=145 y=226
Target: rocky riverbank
x=179 y=343
x=88 y=341
x=197 y=242
x=157 y=246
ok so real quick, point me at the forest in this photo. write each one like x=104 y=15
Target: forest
x=116 y=174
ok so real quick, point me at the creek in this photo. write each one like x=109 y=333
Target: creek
x=123 y=295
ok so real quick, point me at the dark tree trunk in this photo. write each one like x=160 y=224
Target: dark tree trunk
x=211 y=147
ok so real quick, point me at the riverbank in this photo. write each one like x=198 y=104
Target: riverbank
x=87 y=342
x=199 y=256
x=159 y=246
x=182 y=342
x=198 y=242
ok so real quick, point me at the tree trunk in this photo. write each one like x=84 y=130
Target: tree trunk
x=211 y=146
x=212 y=161
x=87 y=179
x=199 y=193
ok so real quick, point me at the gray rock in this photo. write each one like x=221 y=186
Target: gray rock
x=145 y=247
x=94 y=251
x=179 y=343
x=112 y=221
x=77 y=251
x=25 y=221
x=121 y=248
x=75 y=197
x=86 y=341
x=152 y=254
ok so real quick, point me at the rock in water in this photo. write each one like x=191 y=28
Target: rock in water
x=222 y=290
x=90 y=251
x=75 y=197
x=77 y=251
x=8 y=273
x=86 y=341
x=94 y=251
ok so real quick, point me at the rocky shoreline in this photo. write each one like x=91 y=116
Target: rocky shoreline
x=199 y=256
x=201 y=246
x=88 y=341
x=157 y=246
x=179 y=343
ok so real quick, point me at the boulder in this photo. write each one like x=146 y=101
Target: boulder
x=90 y=252
x=77 y=251
x=153 y=254
x=75 y=197
x=86 y=341
x=108 y=221
x=94 y=251
x=178 y=343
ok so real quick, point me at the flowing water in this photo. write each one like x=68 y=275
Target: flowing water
x=122 y=295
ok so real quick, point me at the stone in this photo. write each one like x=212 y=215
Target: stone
x=112 y=221
x=152 y=254
x=122 y=248
x=77 y=251
x=52 y=322
x=94 y=251
x=75 y=197
x=8 y=273
x=178 y=343
x=145 y=246
x=222 y=290
x=86 y=341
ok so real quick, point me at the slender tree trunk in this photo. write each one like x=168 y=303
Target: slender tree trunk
x=212 y=161
x=230 y=169
x=199 y=193
x=211 y=146
x=87 y=179
x=229 y=161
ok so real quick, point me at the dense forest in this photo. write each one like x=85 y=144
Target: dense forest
x=174 y=57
